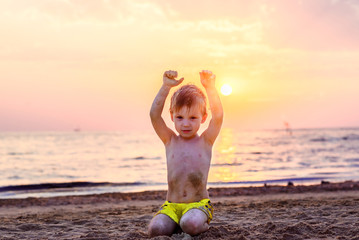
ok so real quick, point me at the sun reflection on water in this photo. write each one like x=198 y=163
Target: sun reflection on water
x=225 y=163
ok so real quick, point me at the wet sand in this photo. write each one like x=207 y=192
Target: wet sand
x=323 y=211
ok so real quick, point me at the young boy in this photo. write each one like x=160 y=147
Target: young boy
x=188 y=154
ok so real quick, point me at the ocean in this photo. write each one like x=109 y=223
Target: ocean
x=45 y=164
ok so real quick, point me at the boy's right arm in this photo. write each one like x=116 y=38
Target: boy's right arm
x=158 y=123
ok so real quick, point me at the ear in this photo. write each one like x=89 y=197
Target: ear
x=204 y=118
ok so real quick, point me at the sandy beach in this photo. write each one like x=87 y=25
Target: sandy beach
x=323 y=211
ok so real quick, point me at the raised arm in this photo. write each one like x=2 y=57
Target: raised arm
x=208 y=82
x=169 y=81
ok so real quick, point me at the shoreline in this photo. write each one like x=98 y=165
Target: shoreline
x=117 y=197
x=326 y=211
x=53 y=189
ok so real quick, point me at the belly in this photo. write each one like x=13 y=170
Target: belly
x=189 y=187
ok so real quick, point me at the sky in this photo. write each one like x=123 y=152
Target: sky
x=97 y=65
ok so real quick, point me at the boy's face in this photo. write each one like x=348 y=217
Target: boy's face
x=188 y=121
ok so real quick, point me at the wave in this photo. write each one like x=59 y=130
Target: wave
x=349 y=137
x=225 y=164
x=85 y=188
x=20 y=153
x=282 y=180
x=258 y=153
x=351 y=160
x=254 y=153
x=321 y=139
x=85 y=185
x=68 y=185
x=142 y=158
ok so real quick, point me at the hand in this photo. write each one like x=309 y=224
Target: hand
x=169 y=79
x=207 y=78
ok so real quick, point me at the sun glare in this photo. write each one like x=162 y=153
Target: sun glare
x=226 y=89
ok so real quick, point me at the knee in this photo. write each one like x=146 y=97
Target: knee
x=158 y=230
x=193 y=227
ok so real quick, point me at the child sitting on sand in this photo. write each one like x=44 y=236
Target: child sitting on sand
x=188 y=154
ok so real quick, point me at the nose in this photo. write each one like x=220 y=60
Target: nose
x=185 y=122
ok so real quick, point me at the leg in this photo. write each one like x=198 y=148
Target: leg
x=161 y=224
x=194 y=222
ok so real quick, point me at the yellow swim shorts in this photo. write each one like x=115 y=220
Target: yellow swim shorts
x=176 y=210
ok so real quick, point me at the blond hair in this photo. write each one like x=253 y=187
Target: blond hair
x=188 y=95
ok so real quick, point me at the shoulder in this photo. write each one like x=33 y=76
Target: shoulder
x=205 y=141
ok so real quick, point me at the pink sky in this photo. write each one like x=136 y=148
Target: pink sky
x=97 y=65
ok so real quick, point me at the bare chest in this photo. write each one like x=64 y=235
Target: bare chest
x=186 y=158
x=188 y=152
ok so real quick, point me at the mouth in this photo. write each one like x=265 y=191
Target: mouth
x=186 y=131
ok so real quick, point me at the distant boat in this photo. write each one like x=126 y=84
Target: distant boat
x=77 y=130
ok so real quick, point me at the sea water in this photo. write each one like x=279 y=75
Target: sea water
x=41 y=164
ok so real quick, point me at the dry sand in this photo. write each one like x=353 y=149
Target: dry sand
x=329 y=211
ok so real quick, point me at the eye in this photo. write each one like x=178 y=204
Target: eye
x=193 y=118
x=179 y=117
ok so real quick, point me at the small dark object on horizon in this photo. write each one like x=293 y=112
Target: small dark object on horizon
x=325 y=182
x=290 y=184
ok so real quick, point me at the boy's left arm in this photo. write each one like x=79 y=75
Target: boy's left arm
x=214 y=127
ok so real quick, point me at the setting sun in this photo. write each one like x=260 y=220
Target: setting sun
x=226 y=89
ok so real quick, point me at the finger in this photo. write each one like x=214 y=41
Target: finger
x=181 y=80
x=208 y=73
x=173 y=74
x=168 y=74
